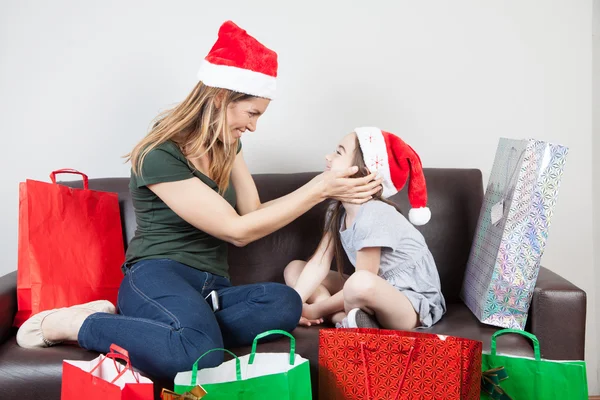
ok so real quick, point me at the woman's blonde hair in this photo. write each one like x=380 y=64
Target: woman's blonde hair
x=195 y=125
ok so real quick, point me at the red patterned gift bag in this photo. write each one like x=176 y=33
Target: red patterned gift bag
x=378 y=364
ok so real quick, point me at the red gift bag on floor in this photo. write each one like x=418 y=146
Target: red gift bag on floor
x=378 y=364
x=104 y=379
x=70 y=246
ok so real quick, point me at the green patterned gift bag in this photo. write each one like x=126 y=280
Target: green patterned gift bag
x=522 y=378
x=282 y=376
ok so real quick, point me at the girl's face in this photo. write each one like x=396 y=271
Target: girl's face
x=341 y=159
x=243 y=115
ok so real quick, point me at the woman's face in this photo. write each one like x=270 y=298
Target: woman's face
x=341 y=159
x=242 y=115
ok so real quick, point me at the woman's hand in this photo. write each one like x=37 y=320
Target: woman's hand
x=337 y=185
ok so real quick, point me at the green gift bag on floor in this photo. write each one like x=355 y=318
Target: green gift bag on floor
x=284 y=376
x=511 y=377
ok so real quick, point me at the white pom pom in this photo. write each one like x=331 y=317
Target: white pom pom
x=419 y=216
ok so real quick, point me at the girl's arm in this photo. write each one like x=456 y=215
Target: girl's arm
x=316 y=269
x=367 y=259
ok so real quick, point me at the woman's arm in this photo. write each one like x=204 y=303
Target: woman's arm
x=205 y=209
x=316 y=269
x=245 y=188
x=249 y=201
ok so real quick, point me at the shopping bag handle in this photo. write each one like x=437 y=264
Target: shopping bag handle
x=238 y=368
x=69 y=171
x=364 y=363
x=533 y=338
x=274 y=332
x=118 y=353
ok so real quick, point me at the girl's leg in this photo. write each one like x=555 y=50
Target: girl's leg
x=332 y=284
x=165 y=323
x=375 y=295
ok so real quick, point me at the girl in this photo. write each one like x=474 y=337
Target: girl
x=396 y=283
x=193 y=194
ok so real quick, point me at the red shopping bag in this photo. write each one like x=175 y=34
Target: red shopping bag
x=70 y=246
x=378 y=364
x=104 y=379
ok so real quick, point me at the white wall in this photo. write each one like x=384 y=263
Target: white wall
x=596 y=152
x=80 y=82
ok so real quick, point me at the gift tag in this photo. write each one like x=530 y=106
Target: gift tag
x=196 y=393
x=497 y=212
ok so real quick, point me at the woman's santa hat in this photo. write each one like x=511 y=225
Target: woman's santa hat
x=394 y=160
x=239 y=62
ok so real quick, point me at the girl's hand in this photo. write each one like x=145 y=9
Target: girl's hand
x=337 y=185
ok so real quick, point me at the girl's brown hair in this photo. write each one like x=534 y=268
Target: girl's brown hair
x=195 y=125
x=335 y=212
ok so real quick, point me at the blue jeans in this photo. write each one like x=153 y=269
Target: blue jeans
x=166 y=324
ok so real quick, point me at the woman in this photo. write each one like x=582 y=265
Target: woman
x=188 y=178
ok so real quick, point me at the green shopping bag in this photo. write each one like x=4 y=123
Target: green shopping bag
x=284 y=376
x=510 y=377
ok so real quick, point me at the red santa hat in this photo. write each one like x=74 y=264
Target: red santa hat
x=395 y=160
x=239 y=62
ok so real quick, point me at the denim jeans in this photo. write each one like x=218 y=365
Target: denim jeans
x=166 y=324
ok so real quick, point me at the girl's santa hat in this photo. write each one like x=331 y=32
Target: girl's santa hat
x=239 y=62
x=395 y=160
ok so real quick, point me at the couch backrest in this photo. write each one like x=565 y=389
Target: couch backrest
x=455 y=197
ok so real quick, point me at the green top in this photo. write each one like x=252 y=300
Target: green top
x=160 y=232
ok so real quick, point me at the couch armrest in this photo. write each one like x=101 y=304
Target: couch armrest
x=557 y=317
x=8 y=304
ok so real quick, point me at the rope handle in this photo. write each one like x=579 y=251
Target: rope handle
x=69 y=171
x=363 y=351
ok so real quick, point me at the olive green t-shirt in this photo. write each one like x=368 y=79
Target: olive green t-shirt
x=160 y=232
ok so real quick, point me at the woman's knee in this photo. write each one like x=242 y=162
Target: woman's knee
x=284 y=303
x=359 y=288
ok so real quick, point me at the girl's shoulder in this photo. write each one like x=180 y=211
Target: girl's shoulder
x=378 y=213
x=380 y=208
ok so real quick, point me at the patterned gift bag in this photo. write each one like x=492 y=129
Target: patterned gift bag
x=380 y=364
x=512 y=230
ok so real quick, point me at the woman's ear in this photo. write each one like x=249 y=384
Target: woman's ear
x=218 y=100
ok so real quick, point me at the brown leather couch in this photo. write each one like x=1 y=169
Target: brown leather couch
x=557 y=315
